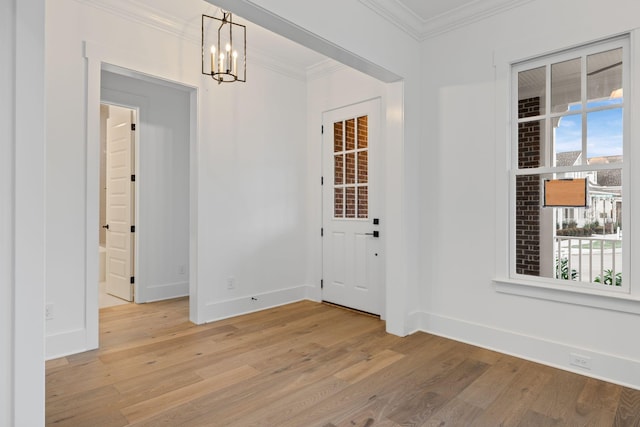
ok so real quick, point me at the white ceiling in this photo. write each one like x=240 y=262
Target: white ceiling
x=426 y=18
x=420 y=19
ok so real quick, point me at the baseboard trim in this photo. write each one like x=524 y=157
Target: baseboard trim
x=164 y=291
x=607 y=367
x=414 y=322
x=65 y=344
x=219 y=310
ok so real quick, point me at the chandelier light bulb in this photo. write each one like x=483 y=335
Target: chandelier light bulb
x=234 y=69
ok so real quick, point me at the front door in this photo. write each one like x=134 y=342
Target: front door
x=352 y=256
x=119 y=203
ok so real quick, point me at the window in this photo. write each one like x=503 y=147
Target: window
x=569 y=115
x=351 y=168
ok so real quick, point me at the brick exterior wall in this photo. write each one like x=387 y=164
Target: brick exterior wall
x=528 y=190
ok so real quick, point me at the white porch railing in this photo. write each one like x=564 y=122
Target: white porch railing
x=589 y=257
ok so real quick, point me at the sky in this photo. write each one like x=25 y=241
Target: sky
x=604 y=130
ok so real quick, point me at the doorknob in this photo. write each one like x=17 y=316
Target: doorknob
x=106 y=226
x=374 y=234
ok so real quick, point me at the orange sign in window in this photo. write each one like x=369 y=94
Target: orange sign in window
x=565 y=193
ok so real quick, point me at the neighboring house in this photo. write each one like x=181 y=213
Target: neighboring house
x=605 y=198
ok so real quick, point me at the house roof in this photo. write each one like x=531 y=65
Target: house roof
x=568 y=158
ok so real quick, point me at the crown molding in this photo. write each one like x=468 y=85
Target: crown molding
x=420 y=29
x=399 y=15
x=140 y=13
x=324 y=68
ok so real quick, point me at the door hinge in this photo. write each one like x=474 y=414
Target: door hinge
x=133 y=126
x=321 y=232
x=322 y=129
x=322 y=180
x=132 y=280
x=321 y=284
x=133 y=178
x=133 y=228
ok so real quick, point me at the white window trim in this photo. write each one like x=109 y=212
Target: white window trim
x=504 y=280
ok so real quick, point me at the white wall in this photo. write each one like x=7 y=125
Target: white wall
x=249 y=161
x=253 y=216
x=21 y=212
x=465 y=131
x=162 y=183
x=7 y=141
x=360 y=37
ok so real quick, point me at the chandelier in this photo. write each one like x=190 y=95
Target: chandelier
x=224 y=49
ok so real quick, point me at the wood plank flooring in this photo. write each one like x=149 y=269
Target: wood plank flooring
x=309 y=364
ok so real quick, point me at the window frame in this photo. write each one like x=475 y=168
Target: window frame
x=503 y=60
x=547 y=61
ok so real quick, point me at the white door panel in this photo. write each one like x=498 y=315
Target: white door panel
x=119 y=212
x=351 y=254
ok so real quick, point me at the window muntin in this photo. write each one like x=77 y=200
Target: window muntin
x=351 y=168
x=569 y=110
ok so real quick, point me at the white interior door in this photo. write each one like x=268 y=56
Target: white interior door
x=119 y=201
x=352 y=257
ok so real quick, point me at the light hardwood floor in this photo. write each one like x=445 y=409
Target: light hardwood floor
x=309 y=364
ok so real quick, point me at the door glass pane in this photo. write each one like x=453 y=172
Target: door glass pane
x=363 y=202
x=363 y=132
x=338 y=169
x=350 y=202
x=338 y=203
x=531 y=92
x=363 y=167
x=565 y=85
x=338 y=137
x=604 y=136
x=350 y=168
x=604 y=77
x=350 y=140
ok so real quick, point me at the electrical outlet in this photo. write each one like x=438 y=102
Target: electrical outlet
x=580 y=361
x=48 y=311
x=181 y=269
x=231 y=283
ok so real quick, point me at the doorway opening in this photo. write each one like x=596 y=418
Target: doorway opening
x=117 y=205
x=164 y=199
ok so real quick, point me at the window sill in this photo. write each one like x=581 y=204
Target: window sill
x=605 y=300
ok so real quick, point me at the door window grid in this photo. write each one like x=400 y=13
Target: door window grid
x=351 y=168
